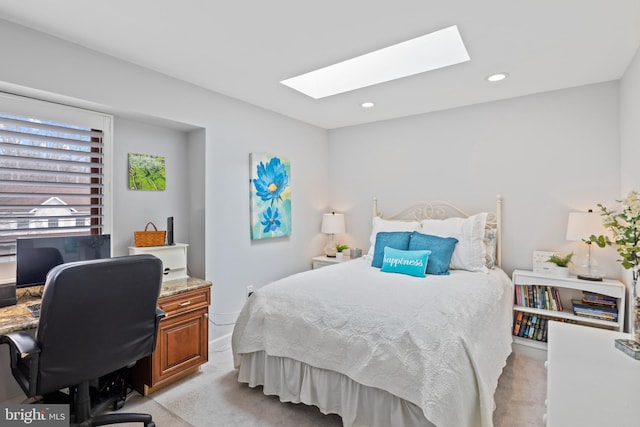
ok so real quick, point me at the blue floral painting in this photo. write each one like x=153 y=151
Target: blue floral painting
x=270 y=196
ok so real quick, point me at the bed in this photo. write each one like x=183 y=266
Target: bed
x=384 y=347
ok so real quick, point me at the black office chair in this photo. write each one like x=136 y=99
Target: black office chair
x=96 y=318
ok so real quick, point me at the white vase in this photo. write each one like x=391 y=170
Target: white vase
x=561 y=271
x=339 y=256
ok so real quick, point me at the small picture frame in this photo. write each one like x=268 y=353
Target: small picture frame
x=146 y=172
x=541 y=263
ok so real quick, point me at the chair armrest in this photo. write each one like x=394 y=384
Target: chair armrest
x=20 y=343
x=24 y=355
x=160 y=314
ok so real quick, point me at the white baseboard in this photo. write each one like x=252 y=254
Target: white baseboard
x=223 y=319
x=529 y=351
x=221 y=343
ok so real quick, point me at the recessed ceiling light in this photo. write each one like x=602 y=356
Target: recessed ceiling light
x=497 y=77
x=367 y=104
x=429 y=52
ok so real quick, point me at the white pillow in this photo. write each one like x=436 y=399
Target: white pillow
x=380 y=224
x=470 y=252
x=491 y=247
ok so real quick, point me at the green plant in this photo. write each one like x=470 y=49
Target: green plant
x=601 y=241
x=341 y=247
x=625 y=227
x=561 y=261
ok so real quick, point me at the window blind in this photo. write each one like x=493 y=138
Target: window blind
x=51 y=179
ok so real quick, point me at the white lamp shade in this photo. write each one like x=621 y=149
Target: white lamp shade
x=333 y=223
x=582 y=225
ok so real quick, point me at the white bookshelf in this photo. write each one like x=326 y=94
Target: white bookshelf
x=568 y=288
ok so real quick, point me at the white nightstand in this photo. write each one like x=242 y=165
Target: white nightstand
x=323 y=261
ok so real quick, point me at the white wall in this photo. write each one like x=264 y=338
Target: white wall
x=630 y=127
x=630 y=138
x=197 y=192
x=135 y=208
x=547 y=154
x=236 y=260
x=231 y=130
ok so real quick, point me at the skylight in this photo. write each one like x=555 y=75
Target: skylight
x=425 y=53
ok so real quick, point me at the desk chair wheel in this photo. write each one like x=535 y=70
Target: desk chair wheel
x=118 y=404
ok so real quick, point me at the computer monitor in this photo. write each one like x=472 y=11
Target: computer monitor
x=36 y=256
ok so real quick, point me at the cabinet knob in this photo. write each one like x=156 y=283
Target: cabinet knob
x=206 y=315
x=184 y=304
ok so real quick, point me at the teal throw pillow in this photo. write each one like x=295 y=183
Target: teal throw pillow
x=392 y=239
x=441 y=251
x=413 y=263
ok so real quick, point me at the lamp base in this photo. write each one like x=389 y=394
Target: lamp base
x=330 y=250
x=590 y=278
x=589 y=270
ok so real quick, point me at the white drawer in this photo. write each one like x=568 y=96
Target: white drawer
x=174 y=258
x=173 y=274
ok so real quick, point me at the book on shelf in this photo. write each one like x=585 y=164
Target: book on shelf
x=538 y=296
x=599 y=299
x=534 y=326
x=517 y=323
x=526 y=321
x=594 y=311
x=557 y=298
x=542 y=336
x=531 y=326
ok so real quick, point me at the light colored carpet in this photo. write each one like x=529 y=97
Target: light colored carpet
x=213 y=398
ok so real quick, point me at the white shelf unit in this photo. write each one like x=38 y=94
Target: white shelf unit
x=568 y=288
x=174 y=259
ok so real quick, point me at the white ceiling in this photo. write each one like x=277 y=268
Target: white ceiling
x=244 y=48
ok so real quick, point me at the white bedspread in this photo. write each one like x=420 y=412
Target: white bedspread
x=440 y=342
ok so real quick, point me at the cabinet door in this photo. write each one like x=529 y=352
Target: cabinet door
x=182 y=344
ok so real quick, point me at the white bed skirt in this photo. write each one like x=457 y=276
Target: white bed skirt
x=333 y=393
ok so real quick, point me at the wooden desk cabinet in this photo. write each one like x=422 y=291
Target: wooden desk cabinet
x=182 y=344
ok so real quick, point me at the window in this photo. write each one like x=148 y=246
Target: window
x=53 y=171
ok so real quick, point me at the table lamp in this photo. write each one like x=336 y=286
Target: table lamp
x=580 y=227
x=332 y=223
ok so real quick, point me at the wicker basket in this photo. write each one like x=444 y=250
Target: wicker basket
x=149 y=238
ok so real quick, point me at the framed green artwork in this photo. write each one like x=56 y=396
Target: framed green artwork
x=147 y=172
